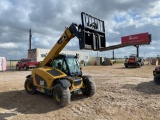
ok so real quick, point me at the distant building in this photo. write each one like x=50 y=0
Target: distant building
x=39 y=54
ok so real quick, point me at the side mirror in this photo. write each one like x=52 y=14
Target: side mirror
x=80 y=68
x=77 y=55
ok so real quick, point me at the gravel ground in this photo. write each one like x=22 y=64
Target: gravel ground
x=122 y=94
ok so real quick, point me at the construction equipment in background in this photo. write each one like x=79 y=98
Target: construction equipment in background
x=156 y=71
x=156 y=74
x=60 y=75
x=107 y=61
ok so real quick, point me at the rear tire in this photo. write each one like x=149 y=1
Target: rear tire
x=139 y=65
x=157 y=79
x=90 y=87
x=29 y=86
x=61 y=95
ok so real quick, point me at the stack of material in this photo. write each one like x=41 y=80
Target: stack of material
x=154 y=61
x=159 y=61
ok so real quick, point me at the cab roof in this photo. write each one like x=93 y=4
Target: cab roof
x=66 y=55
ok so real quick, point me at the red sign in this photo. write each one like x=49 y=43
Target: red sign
x=142 y=38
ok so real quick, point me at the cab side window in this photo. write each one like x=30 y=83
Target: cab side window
x=57 y=63
x=64 y=67
x=60 y=64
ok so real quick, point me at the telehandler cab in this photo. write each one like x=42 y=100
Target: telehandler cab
x=60 y=75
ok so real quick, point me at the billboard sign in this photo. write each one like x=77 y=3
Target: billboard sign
x=142 y=38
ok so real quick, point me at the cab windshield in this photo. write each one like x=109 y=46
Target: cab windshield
x=68 y=65
x=73 y=65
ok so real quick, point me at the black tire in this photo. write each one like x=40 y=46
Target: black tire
x=139 y=65
x=29 y=86
x=36 y=66
x=17 y=68
x=157 y=79
x=126 y=66
x=61 y=95
x=90 y=87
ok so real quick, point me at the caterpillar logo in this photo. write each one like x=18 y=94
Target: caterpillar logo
x=61 y=40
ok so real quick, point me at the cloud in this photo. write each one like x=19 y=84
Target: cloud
x=9 y=45
x=48 y=20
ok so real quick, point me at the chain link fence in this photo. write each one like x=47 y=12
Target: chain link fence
x=11 y=64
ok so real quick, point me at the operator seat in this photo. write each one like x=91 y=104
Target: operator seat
x=59 y=64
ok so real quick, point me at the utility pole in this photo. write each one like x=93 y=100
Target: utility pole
x=113 y=54
x=137 y=46
x=30 y=36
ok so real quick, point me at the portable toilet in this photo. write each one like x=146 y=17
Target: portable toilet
x=2 y=64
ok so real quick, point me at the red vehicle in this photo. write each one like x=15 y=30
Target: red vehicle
x=26 y=64
x=133 y=61
x=156 y=74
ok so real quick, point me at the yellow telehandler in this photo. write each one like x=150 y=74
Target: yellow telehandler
x=60 y=75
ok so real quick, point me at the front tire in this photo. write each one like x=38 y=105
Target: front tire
x=157 y=79
x=90 y=87
x=61 y=95
x=17 y=68
x=25 y=67
x=29 y=86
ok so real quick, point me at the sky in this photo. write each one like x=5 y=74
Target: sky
x=48 y=19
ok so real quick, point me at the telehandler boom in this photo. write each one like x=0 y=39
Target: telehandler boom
x=60 y=75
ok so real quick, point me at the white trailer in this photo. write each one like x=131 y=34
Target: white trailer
x=3 y=64
x=39 y=54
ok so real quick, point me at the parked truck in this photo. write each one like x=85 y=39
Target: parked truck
x=133 y=61
x=26 y=64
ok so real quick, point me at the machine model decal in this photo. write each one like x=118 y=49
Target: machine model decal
x=40 y=80
x=61 y=40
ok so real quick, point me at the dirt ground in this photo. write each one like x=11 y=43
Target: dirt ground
x=122 y=94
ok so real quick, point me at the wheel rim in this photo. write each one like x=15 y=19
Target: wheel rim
x=58 y=97
x=29 y=86
x=86 y=89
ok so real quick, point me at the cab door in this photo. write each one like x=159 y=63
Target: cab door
x=59 y=63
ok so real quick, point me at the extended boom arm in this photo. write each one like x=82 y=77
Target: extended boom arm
x=91 y=35
x=61 y=43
